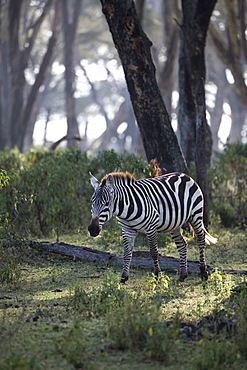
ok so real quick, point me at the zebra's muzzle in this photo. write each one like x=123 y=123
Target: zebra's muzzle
x=94 y=228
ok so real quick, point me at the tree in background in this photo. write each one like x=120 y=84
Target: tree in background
x=17 y=43
x=71 y=13
x=101 y=96
x=227 y=40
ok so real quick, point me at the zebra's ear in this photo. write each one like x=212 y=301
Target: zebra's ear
x=110 y=180
x=94 y=181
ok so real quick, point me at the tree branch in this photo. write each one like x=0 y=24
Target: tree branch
x=35 y=28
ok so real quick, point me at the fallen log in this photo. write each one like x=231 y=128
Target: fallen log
x=140 y=259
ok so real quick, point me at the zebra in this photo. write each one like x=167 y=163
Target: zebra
x=150 y=206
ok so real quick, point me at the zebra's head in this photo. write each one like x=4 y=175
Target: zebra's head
x=102 y=204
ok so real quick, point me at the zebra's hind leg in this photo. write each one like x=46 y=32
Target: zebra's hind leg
x=182 y=250
x=200 y=236
x=153 y=245
x=128 y=242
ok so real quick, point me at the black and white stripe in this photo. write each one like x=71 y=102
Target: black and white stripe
x=150 y=206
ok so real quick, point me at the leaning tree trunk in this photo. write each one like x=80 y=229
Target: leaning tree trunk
x=20 y=105
x=133 y=46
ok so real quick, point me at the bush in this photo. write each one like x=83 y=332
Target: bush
x=241 y=315
x=214 y=354
x=46 y=191
x=109 y=296
x=109 y=161
x=228 y=186
x=49 y=191
x=138 y=325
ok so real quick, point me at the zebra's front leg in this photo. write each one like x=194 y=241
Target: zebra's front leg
x=128 y=242
x=153 y=245
x=182 y=250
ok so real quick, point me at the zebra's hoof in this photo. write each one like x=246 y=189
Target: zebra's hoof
x=182 y=278
x=204 y=276
x=123 y=280
x=204 y=273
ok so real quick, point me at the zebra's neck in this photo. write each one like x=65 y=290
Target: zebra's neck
x=118 y=203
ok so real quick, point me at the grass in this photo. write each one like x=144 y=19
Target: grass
x=58 y=313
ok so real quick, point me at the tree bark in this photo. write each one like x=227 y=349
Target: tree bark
x=167 y=80
x=4 y=79
x=200 y=158
x=140 y=259
x=196 y=17
x=70 y=22
x=27 y=112
x=231 y=48
x=133 y=46
x=17 y=64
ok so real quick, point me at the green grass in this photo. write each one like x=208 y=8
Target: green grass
x=57 y=313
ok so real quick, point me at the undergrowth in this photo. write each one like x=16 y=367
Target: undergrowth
x=57 y=312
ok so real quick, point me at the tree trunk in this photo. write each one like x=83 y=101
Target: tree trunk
x=4 y=79
x=238 y=118
x=231 y=48
x=15 y=118
x=140 y=259
x=69 y=26
x=196 y=17
x=133 y=46
x=17 y=63
x=200 y=157
x=167 y=80
x=30 y=105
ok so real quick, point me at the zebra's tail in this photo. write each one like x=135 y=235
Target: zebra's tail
x=209 y=239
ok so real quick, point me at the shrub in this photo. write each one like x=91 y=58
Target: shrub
x=58 y=184
x=241 y=315
x=50 y=191
x=109 y=161
x=109 y=296
x=228 y=185
x=46 y=191
x=214 y=354
x=138 y=325
x=73 y=347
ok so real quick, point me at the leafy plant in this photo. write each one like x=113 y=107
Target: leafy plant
x=109 y=161
x=49 y=192
x=222 y=283
x=10 y=272
x=228 y=185
x=73 y=347
x=214 y=354
x=109 y=296
x=139 y=325
x=241 y=314
x=4 y=178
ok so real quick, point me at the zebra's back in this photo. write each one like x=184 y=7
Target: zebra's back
x=165 y=203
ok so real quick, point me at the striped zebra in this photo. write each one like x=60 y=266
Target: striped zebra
x=151 y=206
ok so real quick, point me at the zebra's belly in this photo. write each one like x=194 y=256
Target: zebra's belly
x=146 y=226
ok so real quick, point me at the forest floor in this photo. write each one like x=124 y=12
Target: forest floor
x=60 y=313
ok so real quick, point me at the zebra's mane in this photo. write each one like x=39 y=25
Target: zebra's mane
x=119 y=177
